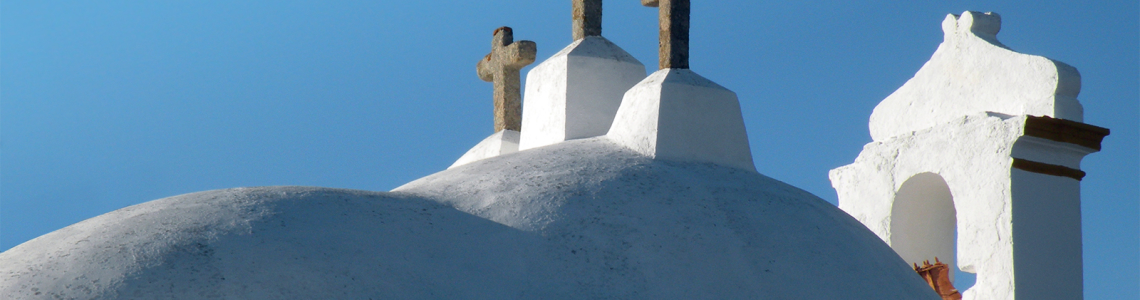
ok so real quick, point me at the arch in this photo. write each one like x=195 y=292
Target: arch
x=924 y=221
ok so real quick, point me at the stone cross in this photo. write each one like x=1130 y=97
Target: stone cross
x=673 y=16
x=587 y=18
x=501 y=67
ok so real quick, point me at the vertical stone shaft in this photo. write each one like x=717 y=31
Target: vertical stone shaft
x=508 y=100
x=674 y=34
x=508 y=105
x=587 y=18
x=502 y=67
x=673 y=16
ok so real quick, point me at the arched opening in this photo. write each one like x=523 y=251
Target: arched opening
x=924 y=224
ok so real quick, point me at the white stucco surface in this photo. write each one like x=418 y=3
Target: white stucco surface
x=923 y=221
x=502 y=142
x=972 y=72
x=575 y=93
x=269 y=243
x=943 y=158
x=675 y=114
x=1047 y=250
x=973 y=156
x=583 y=219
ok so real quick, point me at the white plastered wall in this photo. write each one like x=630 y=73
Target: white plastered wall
x=972 y=155
x=972 y=72
x=923 y=221
x=962 y=119
x=576 y=93
x=1018 y=231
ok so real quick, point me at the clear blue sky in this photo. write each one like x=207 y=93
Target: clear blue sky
x=112 y=103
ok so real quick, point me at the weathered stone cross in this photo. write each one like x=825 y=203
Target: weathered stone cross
x=587 y=18
x=673 y=16
x=501 y=67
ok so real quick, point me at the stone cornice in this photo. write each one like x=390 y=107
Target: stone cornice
x=1065 y=131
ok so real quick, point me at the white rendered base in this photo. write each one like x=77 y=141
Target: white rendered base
x=576 y=93
x=502 y=142
x=676 y=114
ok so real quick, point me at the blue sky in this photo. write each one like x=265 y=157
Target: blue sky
x=113 y=103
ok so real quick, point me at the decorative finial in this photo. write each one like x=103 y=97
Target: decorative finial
x=501 y=67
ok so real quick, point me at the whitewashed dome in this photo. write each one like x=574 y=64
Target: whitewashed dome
x=582 y=219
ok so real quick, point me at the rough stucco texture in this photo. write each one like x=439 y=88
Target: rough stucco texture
x=575 y=93
x=961 y=121
x=972 y=155
x=972 y=72
x=583 y=219
x=676 y=114
x=502 y=142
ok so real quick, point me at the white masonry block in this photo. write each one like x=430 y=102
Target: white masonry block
x=576 y=93
x=502 y=142
x=676 y=114
x=972 y=72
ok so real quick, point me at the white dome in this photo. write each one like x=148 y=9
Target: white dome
x=582 y=219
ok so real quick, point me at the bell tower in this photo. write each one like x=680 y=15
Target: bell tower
x=976 y=162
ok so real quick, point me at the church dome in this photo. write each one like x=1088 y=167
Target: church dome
x=582 y=219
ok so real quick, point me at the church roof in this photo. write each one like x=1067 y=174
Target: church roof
x=582 y=219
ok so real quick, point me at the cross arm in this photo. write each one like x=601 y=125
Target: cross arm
x=518 y=54
x=484 y=69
